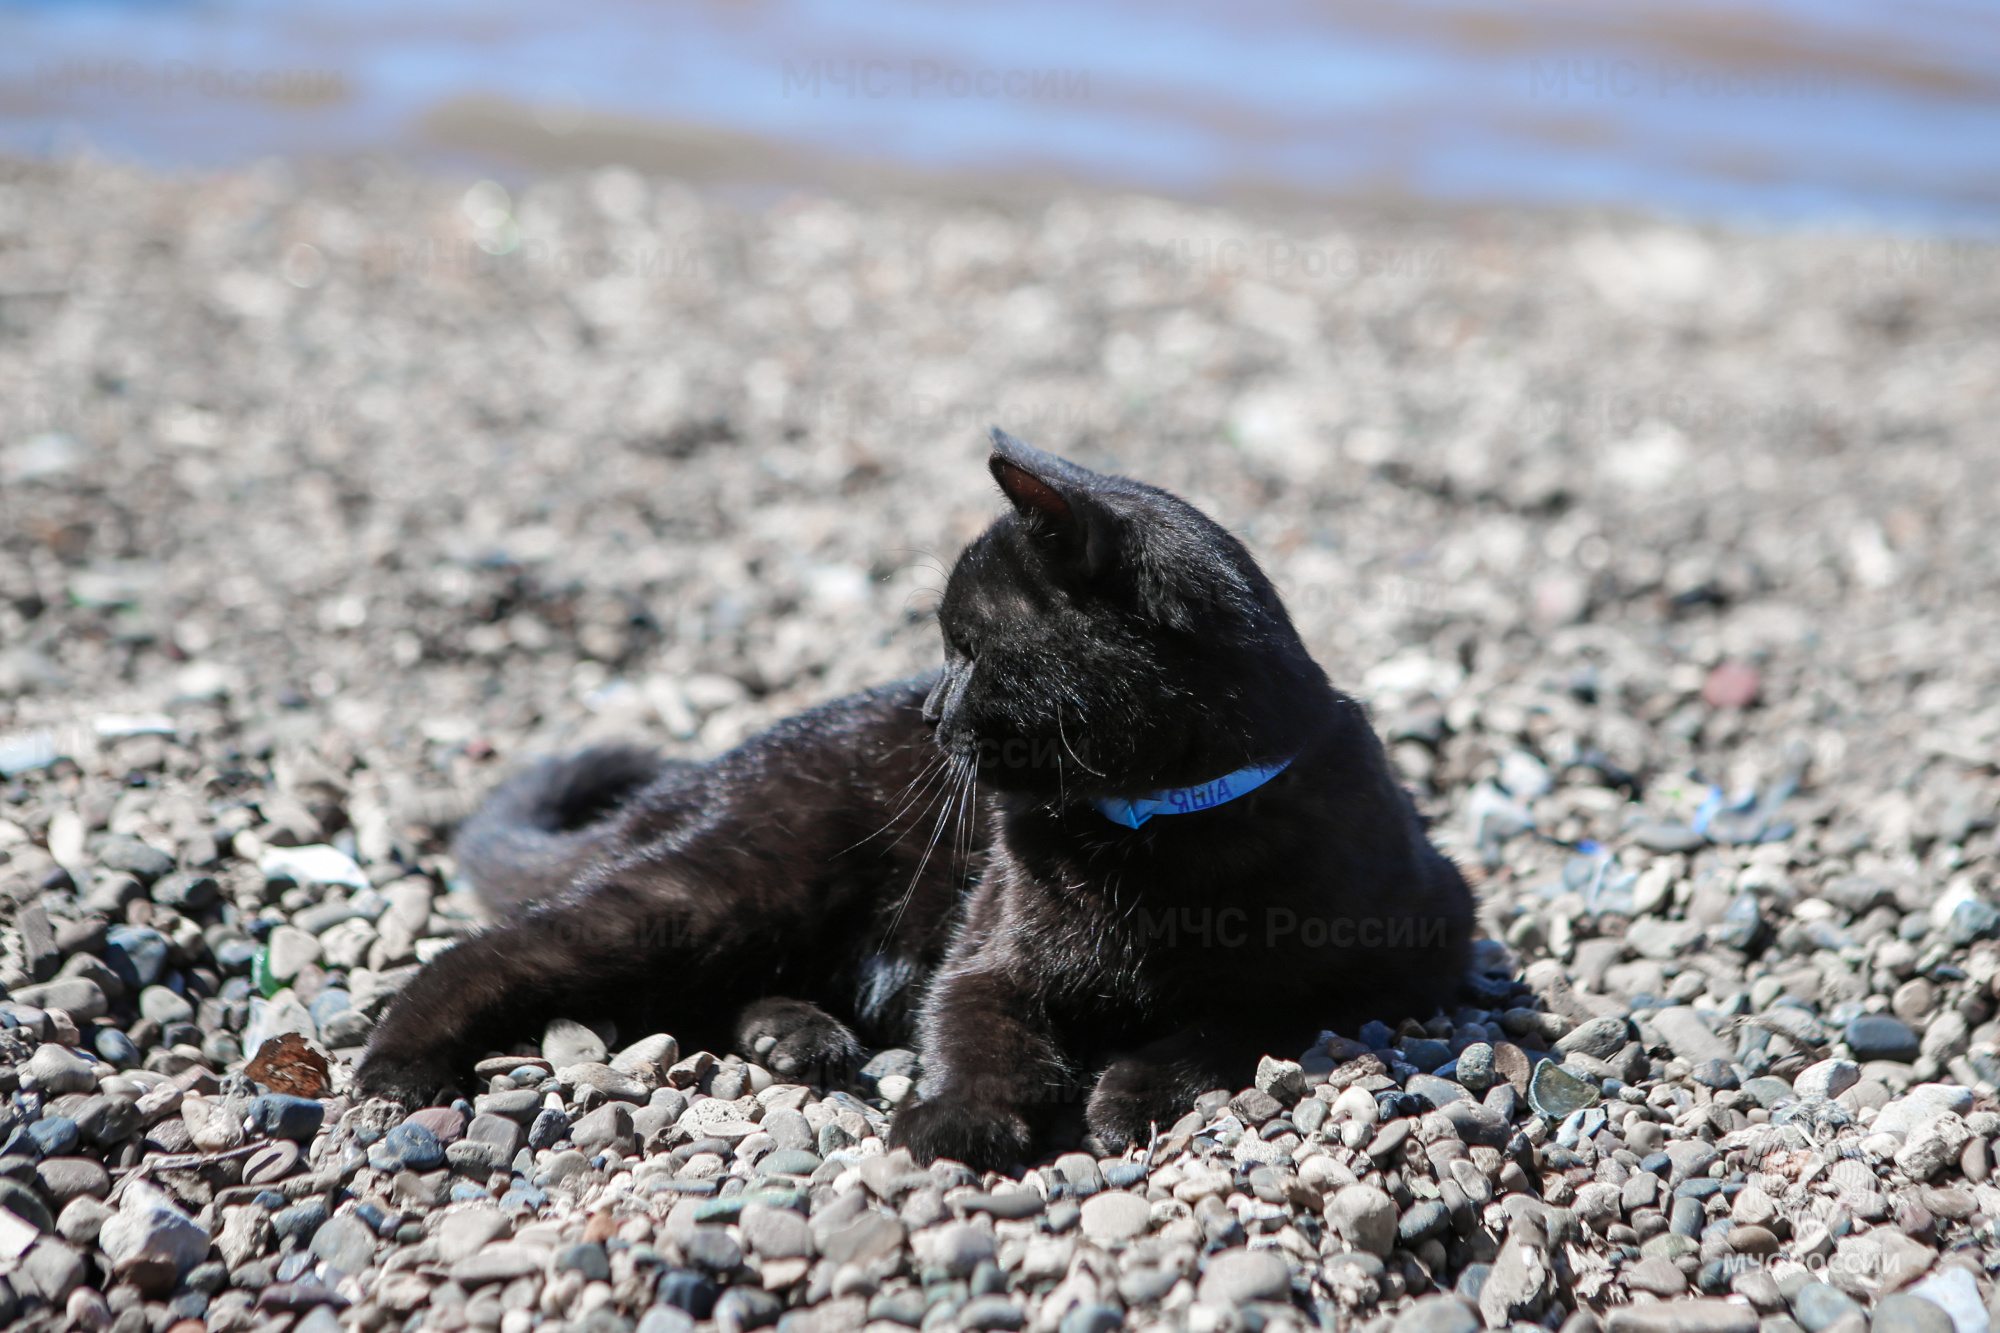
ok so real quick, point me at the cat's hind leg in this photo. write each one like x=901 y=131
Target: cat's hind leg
x=798 y=1041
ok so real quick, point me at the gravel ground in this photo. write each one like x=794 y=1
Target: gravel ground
x=1661 y=555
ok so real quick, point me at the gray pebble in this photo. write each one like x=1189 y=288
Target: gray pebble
x=1236 y=1276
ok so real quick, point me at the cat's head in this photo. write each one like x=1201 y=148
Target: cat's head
x=1106 y=638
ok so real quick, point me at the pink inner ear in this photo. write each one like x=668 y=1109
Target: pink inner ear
x=1030 y=491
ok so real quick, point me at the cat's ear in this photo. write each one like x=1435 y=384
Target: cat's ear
x=1055 y=496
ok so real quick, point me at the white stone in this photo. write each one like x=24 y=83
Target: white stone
x=315 y=863
x=1828 y=1078
x=1957 y=1294
x=148 y=1222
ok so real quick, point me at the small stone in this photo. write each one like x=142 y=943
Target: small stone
x=133 y=857
x=776 y=1233
x=54 y=1135
x=1087 y=1318
x=666 y=1319
x=1510 y=1062
x=444 y=1123
x=1914 y=1001
x=57 y=1069
x=1683 y=1028
x=107 y=1120
x=1556 y=1093
x=566 y=1042
x=1425 y=1053
x=1600 y=1038
x=1365 y=1217
x=185 y=890
x=1690 y=1158
x=1920 y=1106
x=1422 y=1220
x=1117 y=1215
x=210 y=1126
x=51 y=1269
x=609 y=1126
x=1753 y=1207
x=1435 y=1091
x=136 y=953
x=246 y=1232
x=505 y=1134
x=497 y=1263
x=291 y=949
x=150 y=1224
x=1009 y=1204
x=790 y=1162
x=519 y=1104
x=1283 y=1079
x=1827 y=1078
x=477 y=1159
x=960 y=1247
x=1438 y=1314
x=868 y=1237
x=659 y=1051
x=1239 y=1275
x=1476 y=1068
x=1934 y=1146
x=550 y=1128
x=1697 y=1316
x=271 y=1162
x=1818 y=1306
x=743 y=1308
x=714 y=1249
x=1905 y=1312
x=617 y=1086
x=83 y=1218
x=1753 y=1240
x=1880 y=1037
x=410 y=1146
x=285 y=1117
x=65 y=1179
x=164 y=1006
x=588 y=1259
x=1522 y=1278
x=463 y=1232
x=1668 y=836
x=346 y=1243
x=1253 y=1106
x=1658 y=1276
x=1956 y=1293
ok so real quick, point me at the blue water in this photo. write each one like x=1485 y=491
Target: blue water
x=1832 y=113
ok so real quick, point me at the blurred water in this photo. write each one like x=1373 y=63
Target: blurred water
x=1780 y=111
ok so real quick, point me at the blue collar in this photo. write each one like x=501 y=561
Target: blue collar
x=1187 y=800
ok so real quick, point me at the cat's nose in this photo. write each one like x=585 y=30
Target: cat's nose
x=934 y=701
x=944 y=695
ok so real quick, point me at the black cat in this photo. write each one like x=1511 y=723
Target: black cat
x=1128 y=840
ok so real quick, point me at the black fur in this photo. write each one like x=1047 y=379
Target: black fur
x=536 y=834
x=923 y=860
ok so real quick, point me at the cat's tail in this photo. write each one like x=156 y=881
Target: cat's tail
x=541 y=828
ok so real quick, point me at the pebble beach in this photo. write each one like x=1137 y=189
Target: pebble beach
x=1661 y=555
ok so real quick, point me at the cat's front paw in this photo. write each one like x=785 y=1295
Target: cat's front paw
x=1130 y=1098
x=799 y=1041
x=416 y=1082
x=984 y=1138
